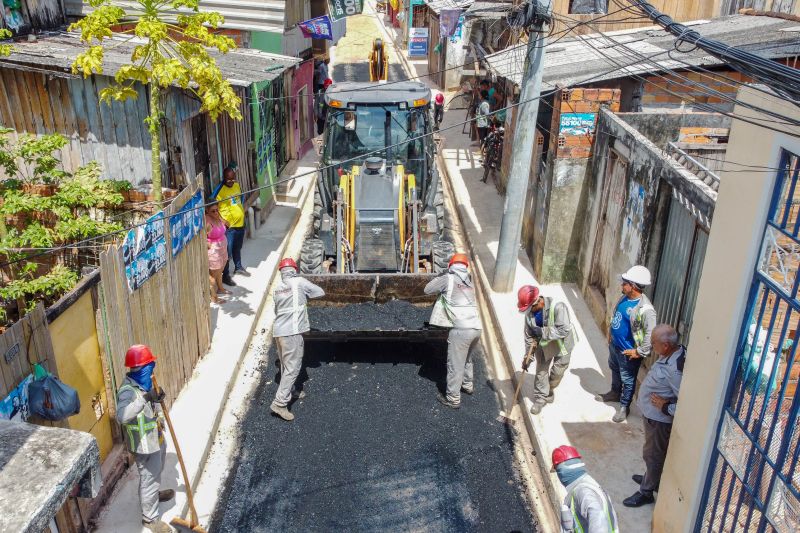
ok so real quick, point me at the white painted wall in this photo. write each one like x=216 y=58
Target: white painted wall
x=733 y=248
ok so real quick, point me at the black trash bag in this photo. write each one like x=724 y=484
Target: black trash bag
x=51 y=399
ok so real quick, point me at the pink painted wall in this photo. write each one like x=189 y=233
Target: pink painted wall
x=303 y=78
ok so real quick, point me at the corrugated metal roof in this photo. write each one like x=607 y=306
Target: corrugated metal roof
x=438 y=5
x=251 y=15
x=571 y=61
x=56 y=53
x=488 y=10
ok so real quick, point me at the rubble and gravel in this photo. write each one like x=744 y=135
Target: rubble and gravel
x=395 y=315
x=372 y=450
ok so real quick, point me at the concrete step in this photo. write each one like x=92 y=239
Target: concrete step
x=289 y=193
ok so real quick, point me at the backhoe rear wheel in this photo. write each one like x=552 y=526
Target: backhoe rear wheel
x=312 y=254
x=442 y=251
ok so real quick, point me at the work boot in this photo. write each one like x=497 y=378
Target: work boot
x=157 y=526
x=444 y=401
x=242 y=272
x=468 y=390
x=298 y=394
x=638 y=499
x=610 y=396
x=622 y=414
x=227 y=280
x=536 y=408
x=282 y=412
x=166 y=495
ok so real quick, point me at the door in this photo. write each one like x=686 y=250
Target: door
x=200 y=149
x=612 y=203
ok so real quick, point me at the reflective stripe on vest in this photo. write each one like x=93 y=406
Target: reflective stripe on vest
x=596 y=488
x=296 y=309
x=551 y=320
x=142 y=427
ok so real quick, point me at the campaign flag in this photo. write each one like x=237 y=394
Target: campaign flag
x=317 y=28
x=448 y=22
x=340 y=9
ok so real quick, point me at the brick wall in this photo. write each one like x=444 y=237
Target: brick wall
x=691 y=87
x=569 y=144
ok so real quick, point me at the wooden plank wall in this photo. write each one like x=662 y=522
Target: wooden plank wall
x=44 y=14
x=29 y=342
x=235 y=138
x=680 y=10
x=170 y=312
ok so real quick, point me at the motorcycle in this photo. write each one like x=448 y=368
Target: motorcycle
x=492 y=151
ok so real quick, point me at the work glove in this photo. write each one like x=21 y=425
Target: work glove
x=154 y=395
x=526 y=363
x=536 y=331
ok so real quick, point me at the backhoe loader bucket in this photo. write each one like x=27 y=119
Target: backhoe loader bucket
x=372 y=307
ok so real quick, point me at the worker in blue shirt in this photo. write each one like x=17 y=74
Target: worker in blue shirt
x=658 y=397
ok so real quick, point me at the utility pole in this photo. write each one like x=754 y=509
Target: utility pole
x=535 y=14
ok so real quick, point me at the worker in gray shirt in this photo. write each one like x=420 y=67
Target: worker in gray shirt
x=458 y=298
x=587 y=507
x=658 y=398
x=291 y=321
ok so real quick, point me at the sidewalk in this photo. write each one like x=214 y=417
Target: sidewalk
x=197 y=411
x=612 y=452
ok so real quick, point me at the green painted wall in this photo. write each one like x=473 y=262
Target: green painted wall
x=266 y=41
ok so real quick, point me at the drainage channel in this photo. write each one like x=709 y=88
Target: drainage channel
x=372 y=450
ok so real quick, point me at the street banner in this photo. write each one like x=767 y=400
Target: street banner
x=340 y=9
x=448 y=22
x=418 y=42
x=577 y=123
x=186 y=223
x=144 y=251
x=317 y=28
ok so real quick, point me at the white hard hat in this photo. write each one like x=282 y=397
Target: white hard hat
x=639 y=275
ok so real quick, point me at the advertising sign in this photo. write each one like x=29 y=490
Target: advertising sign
x=186 y=223
x=418 y=42
x=317 y=28
x=577 y=123
x=345 y=8
x=144 y=251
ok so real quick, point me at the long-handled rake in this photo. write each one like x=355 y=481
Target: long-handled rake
x=506 y=418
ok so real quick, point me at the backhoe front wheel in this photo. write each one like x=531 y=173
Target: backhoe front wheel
x=442 y=251
x=312 y=254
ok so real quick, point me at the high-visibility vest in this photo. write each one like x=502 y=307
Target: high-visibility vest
x=143 y=435
x=297 y=311
x=551 y=320
x=463 y=315
x=591 y=484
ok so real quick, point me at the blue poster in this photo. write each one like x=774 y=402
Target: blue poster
x=418 y=42
x=577 y=124
x=15 y=405
x=144 y=251
x=317 y=28
x=186 y=223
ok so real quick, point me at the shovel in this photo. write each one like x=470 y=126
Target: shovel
x=194 y=525
x=506 y=418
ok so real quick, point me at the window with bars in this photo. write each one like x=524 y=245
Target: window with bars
x=753 y=481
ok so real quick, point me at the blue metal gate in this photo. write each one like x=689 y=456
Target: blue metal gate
x=753 y=482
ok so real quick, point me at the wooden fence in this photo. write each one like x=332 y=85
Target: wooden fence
x=23 y=344
x=169 y=312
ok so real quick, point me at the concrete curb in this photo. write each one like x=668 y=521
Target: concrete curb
x=488 y=309
x=290 y=236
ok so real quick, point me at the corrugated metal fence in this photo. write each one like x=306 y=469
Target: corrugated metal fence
x=169 y=313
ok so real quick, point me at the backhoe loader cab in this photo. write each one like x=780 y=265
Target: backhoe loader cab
x=379 y=206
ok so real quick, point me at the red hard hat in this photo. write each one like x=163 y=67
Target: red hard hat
x=564 y=453
x=459 y=258
x=327 y=83
x=287 y=262
x=138 y=355
x=439 y=98
x=526 y=297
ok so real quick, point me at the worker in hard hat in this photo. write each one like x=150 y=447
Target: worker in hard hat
x=438 y=109
x=457 y=297
x=587 y=507
x=547 y=322
x=139 y=413
x=291 y=321
x=629 y=338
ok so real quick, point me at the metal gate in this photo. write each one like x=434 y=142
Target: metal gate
x=679 y=268
x=753 y=480
x=613 y=201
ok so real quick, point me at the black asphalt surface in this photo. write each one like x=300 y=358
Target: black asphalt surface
x=360 y=71
x=372 y=450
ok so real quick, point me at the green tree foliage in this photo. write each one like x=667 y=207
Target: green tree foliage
x=169 y=50
x=45 y=207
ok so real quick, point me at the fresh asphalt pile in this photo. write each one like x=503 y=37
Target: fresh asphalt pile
x=372 y=450
x=395 y=315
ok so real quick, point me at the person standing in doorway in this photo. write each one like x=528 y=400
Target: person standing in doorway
x=629 y=339
x=482 y=117
x=458 y=292
x=291 y=321
x=139 y=413
x=658 y=398
x=547 y=322
x=320 y=109
x=231 y=208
